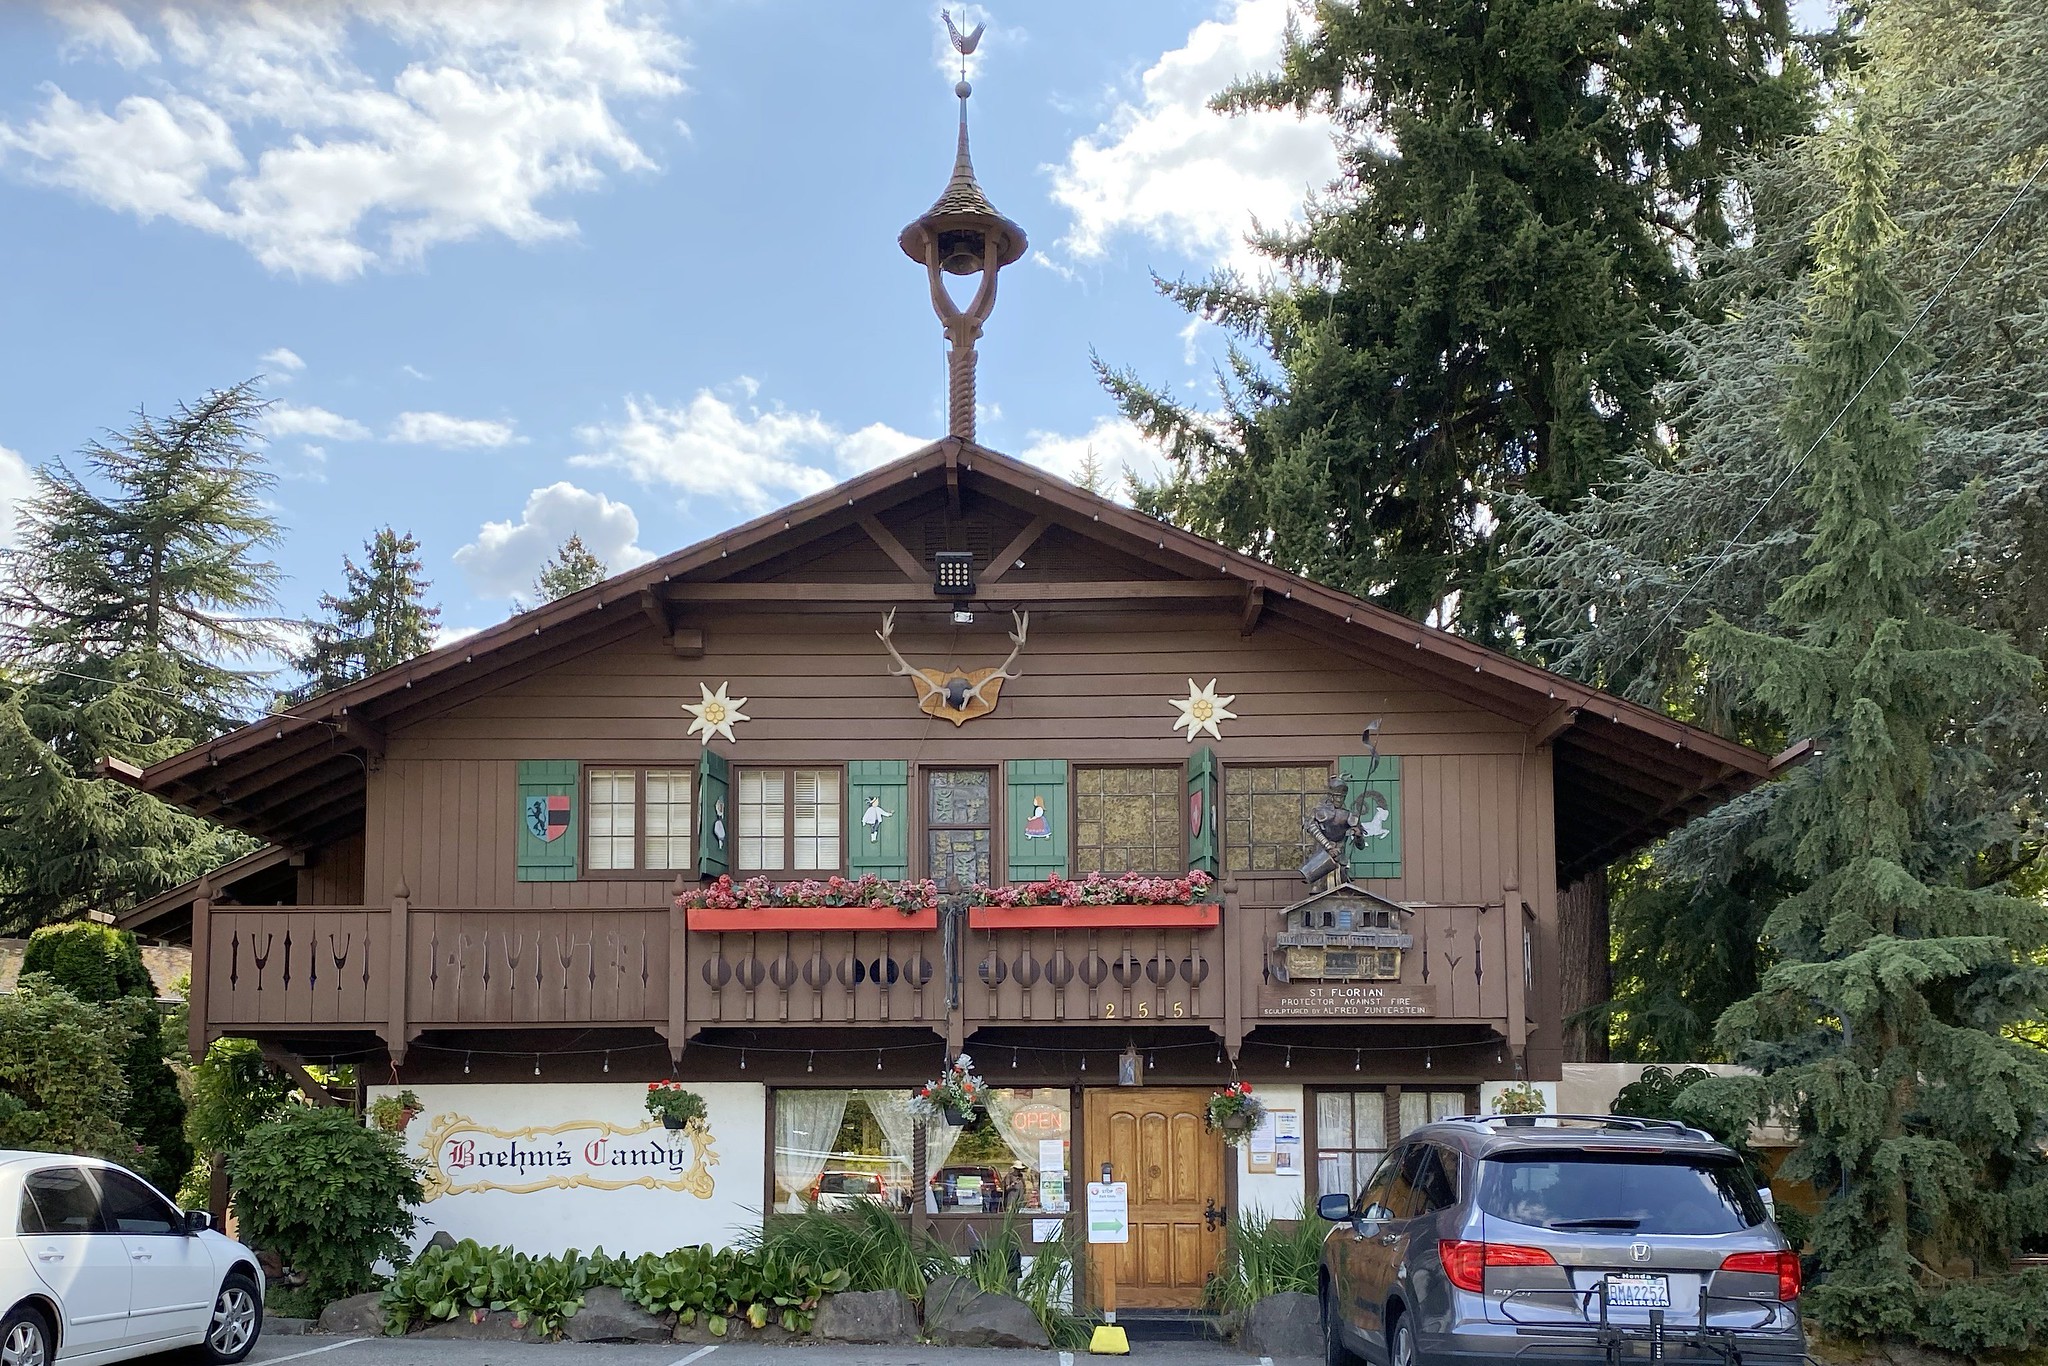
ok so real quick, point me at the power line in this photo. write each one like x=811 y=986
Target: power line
x=1734 y=542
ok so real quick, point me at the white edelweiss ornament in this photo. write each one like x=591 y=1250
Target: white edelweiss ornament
x=1201 y=709
x=716 y=714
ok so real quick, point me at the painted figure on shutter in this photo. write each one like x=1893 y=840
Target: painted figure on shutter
x=1036 y=826
x=873 y=817
x=953 y=694
x=547 y=818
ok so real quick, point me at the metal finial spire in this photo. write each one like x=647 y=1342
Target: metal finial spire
x=962 y=234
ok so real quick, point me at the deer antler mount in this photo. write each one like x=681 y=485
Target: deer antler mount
x=956 y=695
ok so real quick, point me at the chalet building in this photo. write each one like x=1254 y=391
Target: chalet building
x=491 y=874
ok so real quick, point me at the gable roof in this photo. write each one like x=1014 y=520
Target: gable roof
x=1348 y=889
x=1625 y=774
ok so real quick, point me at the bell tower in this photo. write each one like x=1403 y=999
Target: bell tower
x=962 y=234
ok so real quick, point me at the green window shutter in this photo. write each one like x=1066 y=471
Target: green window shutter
x=547 y=807
x=1037 y=819
x=714 y=814
x=1381 y=856
x=1204 y=840
x=880 y=846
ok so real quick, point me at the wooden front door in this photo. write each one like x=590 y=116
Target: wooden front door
x=1154 y=1141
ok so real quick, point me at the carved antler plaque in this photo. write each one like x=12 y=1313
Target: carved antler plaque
x=955 y=695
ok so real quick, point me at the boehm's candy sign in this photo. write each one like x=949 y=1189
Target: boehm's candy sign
x=464 y=1156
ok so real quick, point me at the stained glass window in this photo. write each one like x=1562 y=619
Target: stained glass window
x=1128 y=820
x=1262 y=811
x=958 y=807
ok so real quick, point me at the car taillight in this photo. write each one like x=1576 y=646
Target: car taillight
x=1465 y=1262
x=1783 y=1265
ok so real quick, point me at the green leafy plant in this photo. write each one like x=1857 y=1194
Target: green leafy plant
x=1266 y=1256
x=233 y=1090
x=1522 y=1098
x=996 y=1267
x=675 y=1105
x=866 y=1240
x=758 y=1286
x=1234 y=1112
x=392 y=1113
x=329 y=1197
x=61 y=1069
x=93 y=962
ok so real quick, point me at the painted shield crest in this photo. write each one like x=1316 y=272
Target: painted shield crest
x=1195 y=814
x=547 y=818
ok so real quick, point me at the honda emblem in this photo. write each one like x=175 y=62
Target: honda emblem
x=1639 y=1252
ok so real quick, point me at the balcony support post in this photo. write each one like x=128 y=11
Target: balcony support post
x=678 y=1031
x=397 y=1029
x=1237 y=960
x=196 y=1033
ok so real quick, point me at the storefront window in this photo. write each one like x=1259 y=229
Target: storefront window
x=834 y=1148
x=1351 y=1138
x=1420 y=1107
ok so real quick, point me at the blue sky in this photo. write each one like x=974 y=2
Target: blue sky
x=520 y=267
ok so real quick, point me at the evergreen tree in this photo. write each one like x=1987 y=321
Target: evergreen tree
x=573 y=569
x=1476 y=307
x=1881 y=1026
x=124 y=615
x=379 y=619
x=1612 y=590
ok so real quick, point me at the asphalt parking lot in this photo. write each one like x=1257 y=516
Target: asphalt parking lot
x=316 y=1351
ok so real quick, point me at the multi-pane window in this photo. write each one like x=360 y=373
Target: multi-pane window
x=638 y=818
x=1351 y=1138
x=1420 y=1107
x=1262 y=811
x=1128 y=820
x=958 y=807
x=789 y=820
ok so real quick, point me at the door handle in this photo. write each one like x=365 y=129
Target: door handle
x=49 y=1256
x=140 y=1256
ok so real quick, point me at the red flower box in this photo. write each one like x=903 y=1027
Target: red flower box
x=1199 y=916
x=799 y=918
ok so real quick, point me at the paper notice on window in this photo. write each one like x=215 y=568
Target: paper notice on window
x=1052 y=1155
x=1046 y=1230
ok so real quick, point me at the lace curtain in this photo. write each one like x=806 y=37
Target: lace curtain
x=891 y=1110
x=806 y=1122
x=1002 y=1109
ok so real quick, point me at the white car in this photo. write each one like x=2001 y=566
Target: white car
x=96 y=1266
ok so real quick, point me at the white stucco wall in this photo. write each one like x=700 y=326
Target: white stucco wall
x=1276 y=1195
x=547 y=1167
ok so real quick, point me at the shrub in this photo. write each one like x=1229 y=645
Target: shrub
x=326 y=1195
x=1994 y=1314
x=871 y=1244
x=92 y=962
x=445 y=1283
x=1262 y=1256
x=723 y=1284
x=61 y=1069
x=233 y=1091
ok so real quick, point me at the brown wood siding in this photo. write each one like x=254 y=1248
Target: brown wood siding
x=334 y=875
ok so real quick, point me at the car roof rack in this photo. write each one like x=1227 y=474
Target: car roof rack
x=1622 y=1123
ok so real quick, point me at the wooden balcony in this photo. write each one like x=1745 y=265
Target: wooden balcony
x=397 y=970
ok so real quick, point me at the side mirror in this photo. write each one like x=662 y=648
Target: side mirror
x=1335 y=1207
x=197 y=1221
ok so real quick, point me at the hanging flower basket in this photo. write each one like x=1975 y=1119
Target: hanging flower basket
x=953 y=1097
x=1234 y=1112
x=393 y=1113
x=676 y=1107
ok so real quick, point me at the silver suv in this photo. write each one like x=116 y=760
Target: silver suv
x=1558 y=1238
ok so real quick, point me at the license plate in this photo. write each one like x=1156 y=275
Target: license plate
x=1639 y=1292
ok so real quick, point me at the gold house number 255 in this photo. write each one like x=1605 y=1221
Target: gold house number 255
x=1144 y=1011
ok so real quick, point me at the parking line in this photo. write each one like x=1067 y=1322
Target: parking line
x=697 y=1355
x=313 y=1351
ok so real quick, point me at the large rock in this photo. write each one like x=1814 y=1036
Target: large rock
x=442 y=1239
x=1285 y=1325
x=355 y=1315
x=608 y=1316
x=958 y=1315
x=866 y=1316
x=484 y=1326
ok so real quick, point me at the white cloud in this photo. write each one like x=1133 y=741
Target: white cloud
x=756 y=458
x=504 y=557
x=1118 y=447
x=290 y=419
x=16 y=484
x=1167 y=168
x=98 y=27
x=453 y=433
x=283 y=361
x=284 y=128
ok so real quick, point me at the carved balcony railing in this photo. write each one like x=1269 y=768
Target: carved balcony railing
x=1111 y=974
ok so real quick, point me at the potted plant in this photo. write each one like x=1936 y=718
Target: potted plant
x=1235 y=1112
x=393 y=1113
x=674 y=1105
x=1521 y=1103
x=954 y=1097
